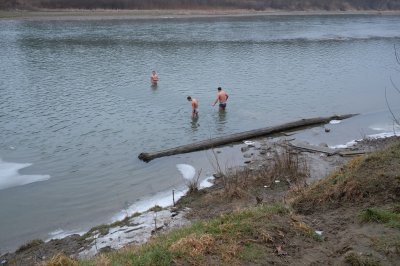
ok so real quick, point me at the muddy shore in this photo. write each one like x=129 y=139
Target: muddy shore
x=140 y=227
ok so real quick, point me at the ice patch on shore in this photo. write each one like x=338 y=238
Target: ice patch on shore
x=188 y=172
x=138 y=230
x=386 y=128
x=384 y=135
x=164 y=198
x=344 y=146
x=208 y=182
x=333 y=122
x=59 y=234
x=373 y=136
x=10 y=177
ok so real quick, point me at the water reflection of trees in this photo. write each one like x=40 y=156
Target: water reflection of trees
x=395 y=117
x=221 y=120
x=206 y=4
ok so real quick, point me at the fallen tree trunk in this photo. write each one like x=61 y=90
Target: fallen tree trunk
x=219 y=141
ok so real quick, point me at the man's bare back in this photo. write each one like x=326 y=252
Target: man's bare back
x=195 y=105
x=222 y=97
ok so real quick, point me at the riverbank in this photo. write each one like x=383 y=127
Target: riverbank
x=99 y=14
x=236 y=189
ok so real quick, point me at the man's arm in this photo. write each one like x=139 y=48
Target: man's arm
x=216 y=100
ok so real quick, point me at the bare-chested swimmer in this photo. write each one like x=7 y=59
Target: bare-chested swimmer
x=222 y=97
x=154 y=78
x=195 y=105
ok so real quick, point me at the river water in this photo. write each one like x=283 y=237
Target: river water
x=76 y=105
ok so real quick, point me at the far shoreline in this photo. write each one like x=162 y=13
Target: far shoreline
x=108 y=14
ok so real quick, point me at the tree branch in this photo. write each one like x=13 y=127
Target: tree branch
x=390 y=110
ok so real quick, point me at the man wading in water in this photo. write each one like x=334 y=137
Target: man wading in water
x=222 y=97
x=195 y=105
x=154 y=78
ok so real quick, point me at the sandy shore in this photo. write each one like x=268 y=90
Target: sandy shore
x=167 y=14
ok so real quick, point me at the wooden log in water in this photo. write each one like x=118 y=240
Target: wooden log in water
x=219 y=141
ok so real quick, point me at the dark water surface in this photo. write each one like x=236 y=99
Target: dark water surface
x=76 y=102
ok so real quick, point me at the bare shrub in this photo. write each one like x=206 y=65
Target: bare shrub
x=193 y=184
x=237 y=182
x=288 y=165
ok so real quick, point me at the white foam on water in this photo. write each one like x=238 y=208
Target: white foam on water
x=188 y=172
x=333 y=122
x=10 y=177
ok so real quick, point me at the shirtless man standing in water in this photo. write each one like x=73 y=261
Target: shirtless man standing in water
x=222 y=97
x=154 y=78
x=195 y=105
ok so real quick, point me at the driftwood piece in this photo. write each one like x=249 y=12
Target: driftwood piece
x=219 y=141
x=350 y=153
x=308 y=147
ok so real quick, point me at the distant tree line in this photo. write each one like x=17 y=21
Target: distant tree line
x=205 y=4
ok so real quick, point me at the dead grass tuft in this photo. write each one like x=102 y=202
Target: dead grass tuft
x=102 y=260
x=61 y=260
x=229 y=251
x=194 y=245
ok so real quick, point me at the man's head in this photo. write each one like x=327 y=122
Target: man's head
x=189 y=98
x=219 y=89
x=154 y=72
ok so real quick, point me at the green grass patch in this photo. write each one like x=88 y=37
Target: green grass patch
x=191 y=244
x=374 y=215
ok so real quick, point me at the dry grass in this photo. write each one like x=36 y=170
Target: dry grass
x=61 y=260
x=371 y=176
x=102 y=260
x=286 y=166
x=193 y=184
x=193 y=245
x=237 y=182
